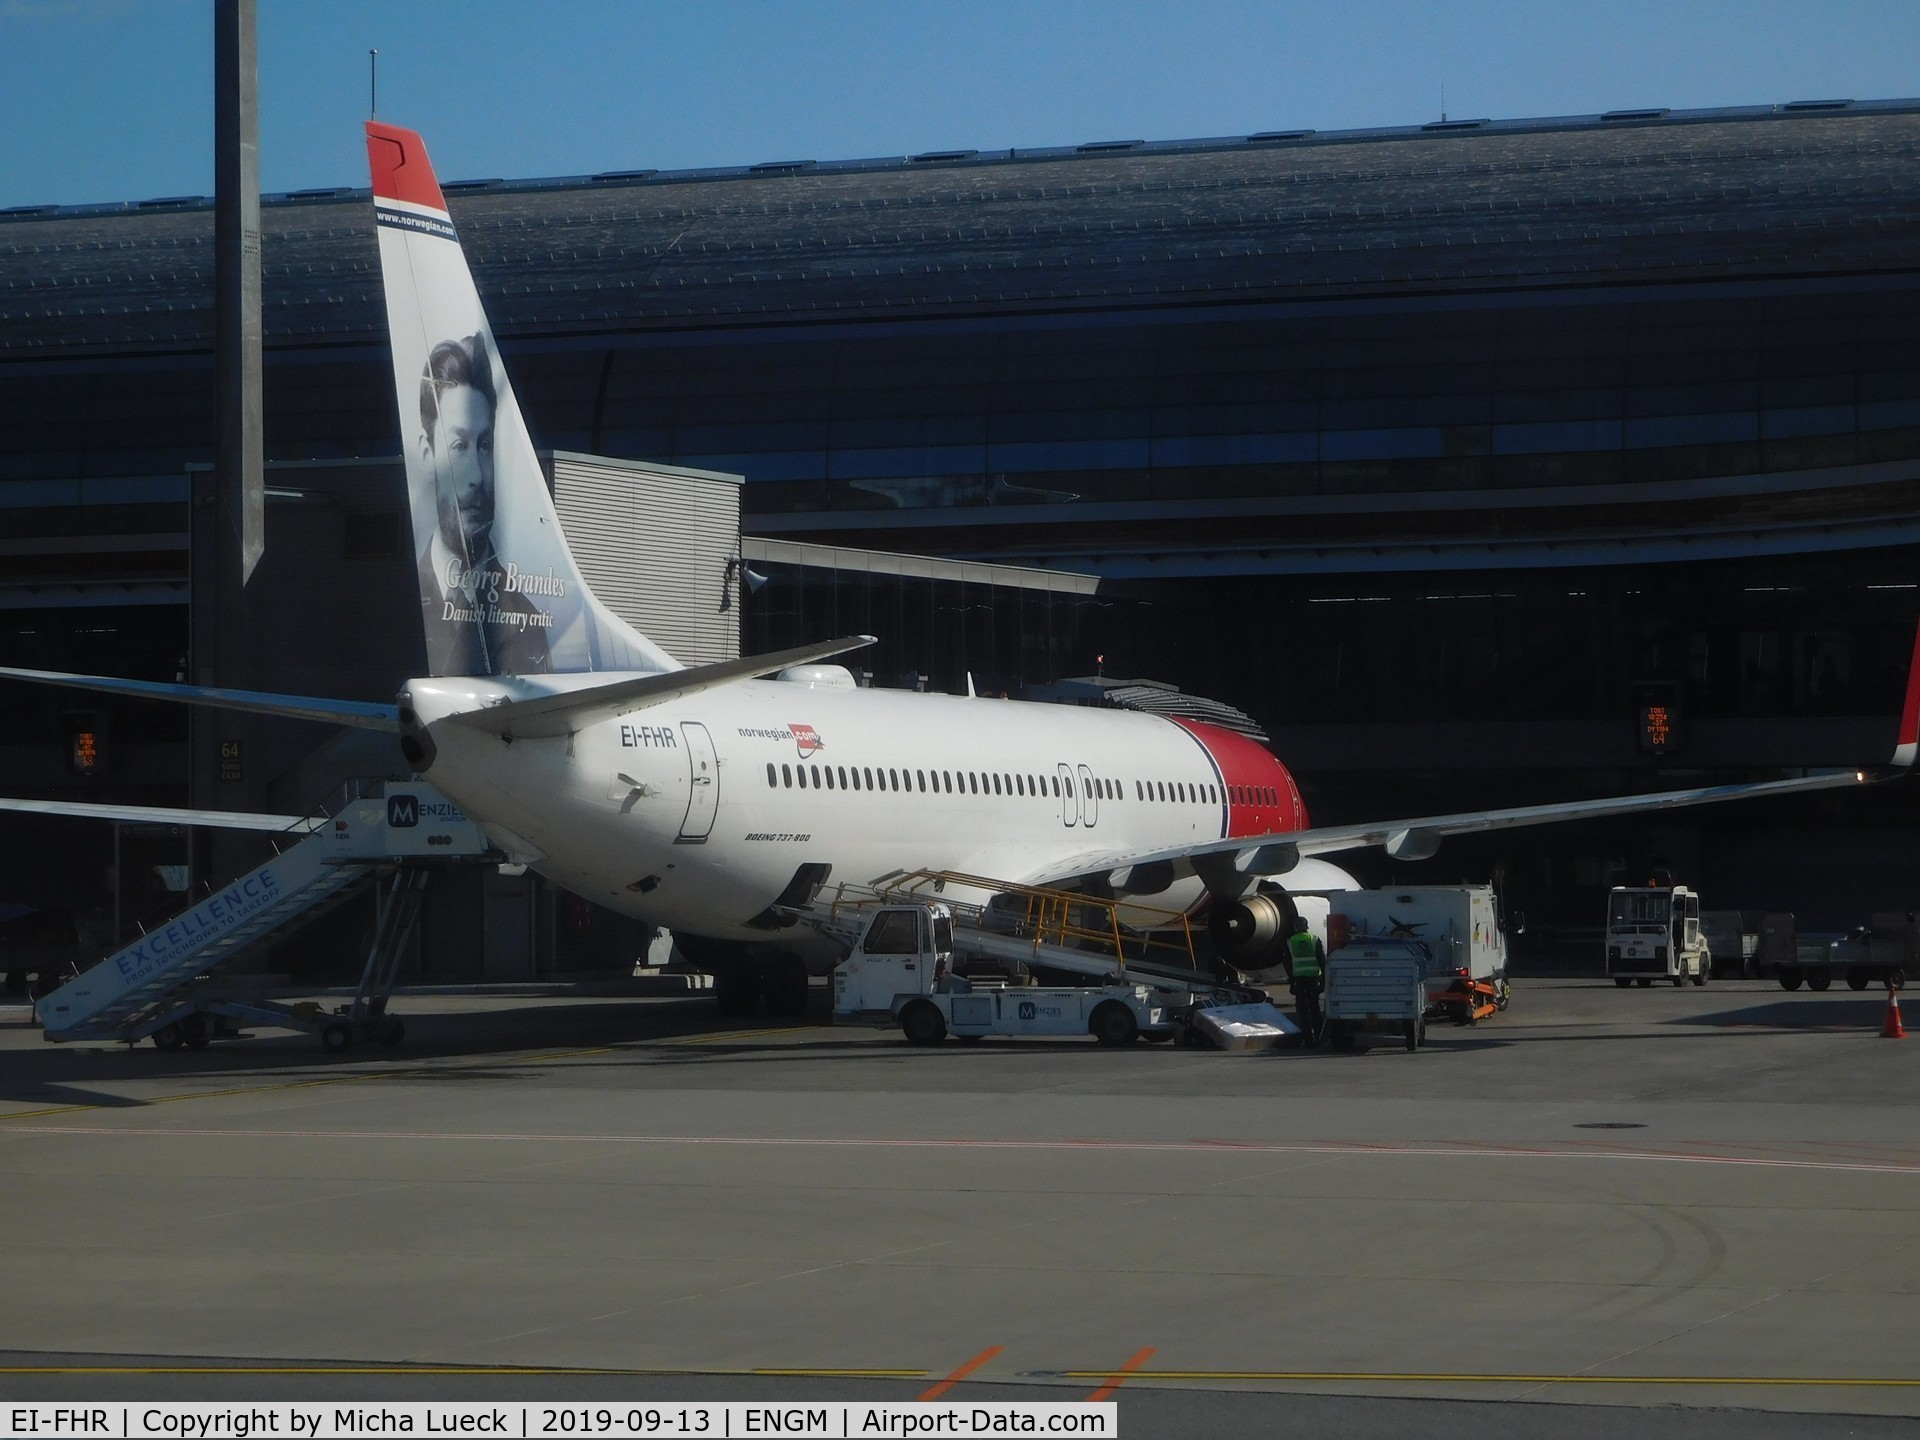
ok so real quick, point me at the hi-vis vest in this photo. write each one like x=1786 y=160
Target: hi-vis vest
x=1305 y=951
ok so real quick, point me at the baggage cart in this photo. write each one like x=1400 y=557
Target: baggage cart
x=1378 y=984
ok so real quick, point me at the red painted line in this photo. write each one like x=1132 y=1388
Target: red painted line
x=1574 y=1150
x=1119 y=1377
x=934 y=1392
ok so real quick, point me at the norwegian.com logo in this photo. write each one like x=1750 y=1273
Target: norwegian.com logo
x=807 y=739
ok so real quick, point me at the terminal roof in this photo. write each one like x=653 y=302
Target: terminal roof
x=1815 y=188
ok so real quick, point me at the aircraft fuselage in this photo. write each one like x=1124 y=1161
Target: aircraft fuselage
x=697 y=814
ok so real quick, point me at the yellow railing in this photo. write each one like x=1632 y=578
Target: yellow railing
x=1066 y=918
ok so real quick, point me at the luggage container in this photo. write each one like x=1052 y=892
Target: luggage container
x=1378 y=985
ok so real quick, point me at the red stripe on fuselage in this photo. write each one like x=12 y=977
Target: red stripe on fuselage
x=1261 y=796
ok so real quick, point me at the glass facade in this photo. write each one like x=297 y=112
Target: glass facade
x=1380 y=464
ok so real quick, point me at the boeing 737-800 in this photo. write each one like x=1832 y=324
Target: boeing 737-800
x=714 y=800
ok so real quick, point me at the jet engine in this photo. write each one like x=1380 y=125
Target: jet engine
x=1251 y=933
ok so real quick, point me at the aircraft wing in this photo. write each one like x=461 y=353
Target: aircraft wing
x=573 y=710
x=1419 y=838
x=165 y=815
x=362 y=713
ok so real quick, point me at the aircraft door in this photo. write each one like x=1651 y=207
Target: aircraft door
x=1069 y=803
x=703 y=791
x=1089 y=798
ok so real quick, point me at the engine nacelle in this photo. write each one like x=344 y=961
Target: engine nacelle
x=1251 y=933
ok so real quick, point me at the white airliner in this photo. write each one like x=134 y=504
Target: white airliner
x=711 y=800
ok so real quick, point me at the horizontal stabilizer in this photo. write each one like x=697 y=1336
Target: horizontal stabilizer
x=166 y=815
x=573 y=710
x=366 y=714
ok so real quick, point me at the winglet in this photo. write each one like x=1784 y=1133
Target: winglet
x=1909 y=745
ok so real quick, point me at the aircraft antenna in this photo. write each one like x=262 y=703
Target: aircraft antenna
x=373 y=84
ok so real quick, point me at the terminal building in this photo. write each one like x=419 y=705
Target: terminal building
x=1480 y=463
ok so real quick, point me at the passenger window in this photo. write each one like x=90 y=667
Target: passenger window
x=786 y=776
x=771 y=779
x=829 y=772
x=893 y=779
x=803 y=777
x=921 y=776
x=973 y=782
x=1056 y=787
x=869 y=775
x=893 y=933
x=1139 y=791
x=1020 y=784
x=843 y=778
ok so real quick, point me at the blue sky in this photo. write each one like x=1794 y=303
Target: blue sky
x=111 y=99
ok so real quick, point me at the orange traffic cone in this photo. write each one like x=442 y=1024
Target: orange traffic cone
x=1893 y=1029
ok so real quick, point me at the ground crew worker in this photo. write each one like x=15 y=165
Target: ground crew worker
x=1307 y=959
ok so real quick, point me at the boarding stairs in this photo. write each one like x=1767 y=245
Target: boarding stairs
x=160 y=984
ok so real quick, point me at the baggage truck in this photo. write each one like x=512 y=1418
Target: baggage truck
x=1653 y=933
x=1460 y=927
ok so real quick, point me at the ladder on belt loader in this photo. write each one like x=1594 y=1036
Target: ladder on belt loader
x=159 y=985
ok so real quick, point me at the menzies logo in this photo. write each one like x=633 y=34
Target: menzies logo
x=403 y=811
x=807 y=739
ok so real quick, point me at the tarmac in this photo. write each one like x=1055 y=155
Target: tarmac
x=1700 y=1205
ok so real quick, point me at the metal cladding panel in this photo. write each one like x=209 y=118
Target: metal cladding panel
x=654 y=546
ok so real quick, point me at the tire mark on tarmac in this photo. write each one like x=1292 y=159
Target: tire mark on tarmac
x=1654 y=1342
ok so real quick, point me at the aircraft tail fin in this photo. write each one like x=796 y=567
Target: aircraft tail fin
x=500 y=593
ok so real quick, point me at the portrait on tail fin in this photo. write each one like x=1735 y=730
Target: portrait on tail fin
x=500 y=590
x=475 y=618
